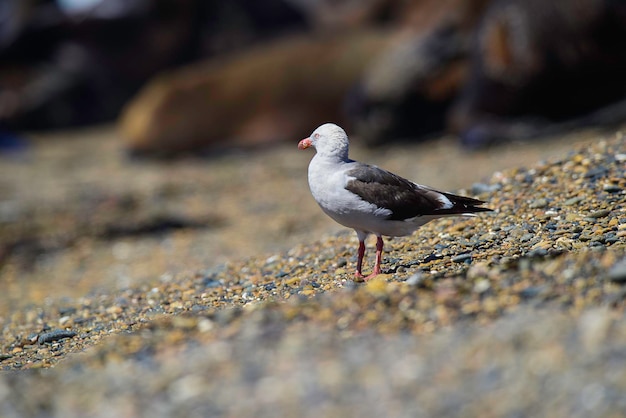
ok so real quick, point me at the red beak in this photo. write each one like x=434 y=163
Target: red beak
x=305 y=143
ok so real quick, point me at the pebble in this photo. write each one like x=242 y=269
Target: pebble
x=597 y=172
x=461 y=258
x=55 y=335
x=612 y=188
x=617 y=273
x=526 y=237
x=537 y=252
x=573 y=201
x=481 y=286
x=482 y=188
x=599 y=213
x=594 y=326
x=532 y=291
x=539 y=203
x=65 y=320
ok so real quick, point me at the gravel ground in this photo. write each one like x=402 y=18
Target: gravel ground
x=519 y=312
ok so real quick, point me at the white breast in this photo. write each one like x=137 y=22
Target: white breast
x=328 y=180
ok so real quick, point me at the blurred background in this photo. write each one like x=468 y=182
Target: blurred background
x=190 y=75
x=86 y=83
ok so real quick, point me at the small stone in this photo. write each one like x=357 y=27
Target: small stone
x=478 y=271
x=115 y=310
x=64 y=320
x=491 y=305
x=210 y=282
x=573 y=201
x=482 y=188
x=526 y=237
x=30 y=339
x=307 y=292
x=67 y=311
x=481 y=286
x=205 y=325
x=611 y=188
x=415 y=279
x=609 y=238
x=597 y=172
x=537 y=252
x=294 y=281
x=272 y=260
x=543 y=244
x=539 y=203
x=432 y=257
x=599 y=213
x=55 y=335
x=617 y=273
x=563 y=242
x=461 y=258
x=184 y=322
x=594 y=326
x=531 y=292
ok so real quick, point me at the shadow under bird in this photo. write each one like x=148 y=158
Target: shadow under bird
x=371 y=200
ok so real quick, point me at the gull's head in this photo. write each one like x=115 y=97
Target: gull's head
x=328 y=140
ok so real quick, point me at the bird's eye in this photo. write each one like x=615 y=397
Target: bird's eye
x=316 y=136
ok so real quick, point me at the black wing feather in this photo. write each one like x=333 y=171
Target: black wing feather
x=404 y=198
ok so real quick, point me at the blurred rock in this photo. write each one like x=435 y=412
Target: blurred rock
x=487 y=70
x=68 y=63
x=540 y=66
x=406 y=92
x=511 y=68
x=338 y=15
x=271 y=93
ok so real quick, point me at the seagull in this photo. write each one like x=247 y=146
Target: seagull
x=371 y=200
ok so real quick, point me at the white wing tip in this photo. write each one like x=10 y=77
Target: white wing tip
x=447 y=204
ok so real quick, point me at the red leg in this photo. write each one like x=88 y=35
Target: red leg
x=379 y=257
x=359 y=263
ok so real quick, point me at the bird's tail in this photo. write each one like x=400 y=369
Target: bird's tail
x=463 y=205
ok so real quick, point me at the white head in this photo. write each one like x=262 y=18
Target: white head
x=328 y=140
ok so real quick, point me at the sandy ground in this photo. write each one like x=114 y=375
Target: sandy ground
x=216 y=287
x=231 y=206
